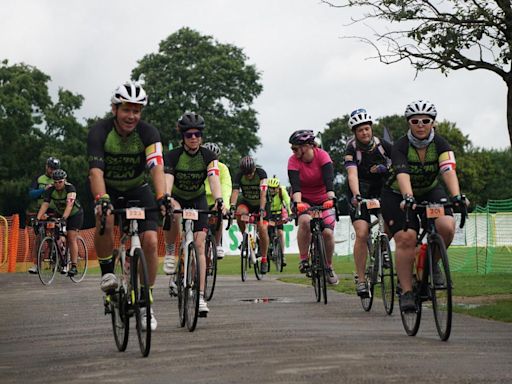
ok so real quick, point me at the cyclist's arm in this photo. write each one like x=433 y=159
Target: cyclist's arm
x=97 y=182
x=70 y=202
x=159 y=180
x=155 y=163
x=452 y=182
x=169 y=183
x=234 y=196
x=328 y=178
x=447 y=166
x=263 y=193
x=404 y=184
x=286 y=200
x=353 y=180
x=213 y=179
x=42 y=210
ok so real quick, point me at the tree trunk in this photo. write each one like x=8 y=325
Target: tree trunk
x=509 y=111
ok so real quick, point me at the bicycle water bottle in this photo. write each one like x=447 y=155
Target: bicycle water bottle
x=421 y=254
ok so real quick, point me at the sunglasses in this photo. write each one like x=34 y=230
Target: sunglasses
x=189 y=135
x=423 y=121
x=58 y=181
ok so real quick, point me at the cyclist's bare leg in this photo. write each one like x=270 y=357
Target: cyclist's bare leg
x=360 y=247
x=263 y=232
x=328 y=235
x=73 y=246
x=171 y=235
x=445 y=226
x=241 y=210
x=280 y=233
x=405 y=252
x=104 y=243
x=199 y=238
x=303 y=234
x=149 y=242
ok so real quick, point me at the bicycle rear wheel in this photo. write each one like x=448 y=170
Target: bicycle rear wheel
x=211 y=268
x=387 y=277
x=118 y=302
x=180 y=281
x=47 y=260
x=192 y=288
x=244 y=256
x=441 y=290
x=411 y=320
x=142 y=302
x=82 y=261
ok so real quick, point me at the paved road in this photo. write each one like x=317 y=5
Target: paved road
x=58 y=334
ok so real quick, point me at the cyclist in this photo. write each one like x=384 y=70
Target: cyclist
x=62 y=196
x=225 y=184
x=311 y=174
x=186 y=169
x=367 y=161
x=120 y=150
x=252 y=182
x=279 y=200
x=418 y=159
x=39 y=185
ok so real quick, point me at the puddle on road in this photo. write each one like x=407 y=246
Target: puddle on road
x=267 y=300
x=467 y=306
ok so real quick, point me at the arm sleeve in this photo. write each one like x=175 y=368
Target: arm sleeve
x=293 y=174
x=328 y=176
x=236 y=180
x=95 y=151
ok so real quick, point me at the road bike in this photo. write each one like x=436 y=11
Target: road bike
x=54 y=255
x=187 y=277
x=425 y=288
x=132 y=296
x=249 y=248
x=379 y=260
x=275 y=250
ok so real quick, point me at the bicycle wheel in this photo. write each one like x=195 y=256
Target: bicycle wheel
x=119 y=309
x=411 y=320
x=211 y=268
x=180 y=281
x=257 y=264
x=82 y=261
x=47 y=260
x=244 y=256
x=278 y=255
x=192 y=287
x=142 y=302
x=441 y=290
x=323 y=266
x=387 y=277
x=370 y=278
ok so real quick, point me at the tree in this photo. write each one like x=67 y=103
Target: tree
x=192 y=72
x=444 y=35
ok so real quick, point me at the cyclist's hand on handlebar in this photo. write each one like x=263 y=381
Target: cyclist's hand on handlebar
x=356 y=200
x=103 y=205
x=301 y=207
x=219 y=205
x=327 y=204
x=165 y=204
x=232 y=210
x=263 y=213
x=460 y=201
x=409 y=202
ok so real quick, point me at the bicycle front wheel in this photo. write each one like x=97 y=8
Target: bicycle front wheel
x=387 y=277
x=211 y=268
x=278 y=255
x=180 y=281
x=244 y=256
x=257 y=264
x=441 y=287
x=369 y=277
x=142 y=302
x=47 y=260
x=118 y=302
x=192 y=287
x=82 y=261
x=411 y=319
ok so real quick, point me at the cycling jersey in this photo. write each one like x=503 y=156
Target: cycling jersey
x=124 y=160
x=190 y=171
x=280 y=200
x=59 y=199
x=225 y=185
x=424 y=175
x=250 y=187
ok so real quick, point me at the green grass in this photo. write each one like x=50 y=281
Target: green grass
x=500 y=310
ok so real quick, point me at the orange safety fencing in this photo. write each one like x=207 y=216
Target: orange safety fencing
x=19 y=244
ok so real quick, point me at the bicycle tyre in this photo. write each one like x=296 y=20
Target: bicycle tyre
x=244 y=256
x=181 y=289
x=278 y=254
x=82 y=261
x=369 y=276
x=323 y=266
x=47 y=260
x=257 y=264
x=441 y=294
x=387 y=276
x=314 y=274
x=192 y=288
x=119 y=309
x=139 y=270
x=411 y=320
x=211 y=268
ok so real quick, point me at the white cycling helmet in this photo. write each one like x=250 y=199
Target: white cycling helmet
x=358 y=117
x=212 y=147
x=130 y=92
x=421 y=107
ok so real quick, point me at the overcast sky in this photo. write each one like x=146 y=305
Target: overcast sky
x=310 y=75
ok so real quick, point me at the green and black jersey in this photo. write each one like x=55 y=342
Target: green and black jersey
x=36 y=191
x=190 y=171
x=58 y=199
x=122 y=159
x=250 y=187
x=424 y=174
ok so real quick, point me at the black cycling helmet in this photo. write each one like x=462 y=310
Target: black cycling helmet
x=301 y=137
x=247 y=165
x=190 y=120
x=53 y=162
x=59 y=174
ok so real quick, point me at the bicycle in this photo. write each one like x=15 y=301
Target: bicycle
x=188 y=273
x=424 y=286
x=249 y=248
x=53 y=254
x=275 y=250
x=131 y=270
x=379 y=261
x=317 y=270
x=214 y=224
